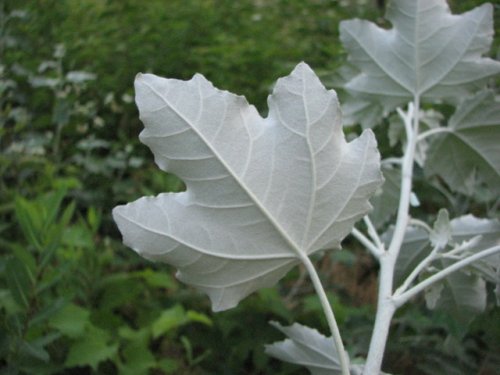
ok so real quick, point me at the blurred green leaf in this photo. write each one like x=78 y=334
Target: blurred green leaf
x=198 y=317
x=36 y=351
x=94 y=218
x=77 y=236
x=119 y=289
x=91 y=349
x=170 y=366
x=71 y=320
x=19 y=280
x=158 y=279
x=31 y=221
x=169 y=319
x=47 y=312
x=138 y=359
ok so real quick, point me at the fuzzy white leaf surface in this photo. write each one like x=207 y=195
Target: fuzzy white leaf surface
x=429 y=53
x=469 y=149
x=262 y=193
x=441 y=234
x=462 y=295
x=307 y=347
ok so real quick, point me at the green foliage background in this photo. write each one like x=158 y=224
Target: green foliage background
x=73 y=299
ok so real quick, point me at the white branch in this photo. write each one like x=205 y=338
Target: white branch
x=385 y=304
x=420 y=223
x=390 y=161
x=370 y=246
x=372 y=232
x=330 y=317
x=416 y=271
x=431 y=132
x=404 y=297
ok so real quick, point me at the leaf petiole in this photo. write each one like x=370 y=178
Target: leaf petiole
x=330 y=317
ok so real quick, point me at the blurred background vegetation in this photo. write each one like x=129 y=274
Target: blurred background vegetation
x=73 y=299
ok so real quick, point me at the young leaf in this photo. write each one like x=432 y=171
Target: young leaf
x=470 y=146
x=487 y=234
x=262 y=194
x=462 y=295
x=386 y=199
x=307 y=347
x=428 y=53
x=468 y=226
x=441 y=234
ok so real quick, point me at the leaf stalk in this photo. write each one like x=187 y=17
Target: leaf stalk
x=330 y=317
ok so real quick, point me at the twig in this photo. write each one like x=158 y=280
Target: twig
x=404 y=297
x=330 y=317
x=370 y=246
x=372 y=232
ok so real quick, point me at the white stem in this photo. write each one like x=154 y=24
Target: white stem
x=404 y=297
x=390 y=161
x=464 y=246
x=370 y=246
x=420 y=223
x=372 y=232
x=385 y=304
x=330 y=317
x=431 y=132
x=416 y=271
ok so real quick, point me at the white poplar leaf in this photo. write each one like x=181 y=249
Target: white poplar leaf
x=461 y=295
x=428 y=53
x=441 y=234
x=487 y=234
x=307 y=347
x=386 y=199
x=470 y=147
x=466 y=227
x=262 y=194
x=432 y=295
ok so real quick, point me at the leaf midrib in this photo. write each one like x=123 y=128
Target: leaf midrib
x=299 y=253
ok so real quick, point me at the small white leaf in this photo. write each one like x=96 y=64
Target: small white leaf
x=306 y=347
x=261 y=195
x=468 y=226
x=386 y=199
x=441 y=234
x=414 y=201
x=432 y=295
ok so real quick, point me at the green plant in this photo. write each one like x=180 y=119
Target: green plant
x=263 y=195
